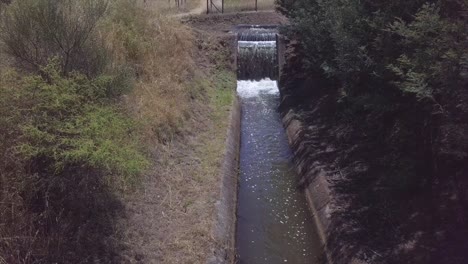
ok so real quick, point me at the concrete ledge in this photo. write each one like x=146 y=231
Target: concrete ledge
x=318 y=190
x=224 y=231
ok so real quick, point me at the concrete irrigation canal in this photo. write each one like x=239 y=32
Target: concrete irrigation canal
x=274 y=222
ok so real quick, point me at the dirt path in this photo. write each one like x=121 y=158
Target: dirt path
x=198 y=10
x=223 y=23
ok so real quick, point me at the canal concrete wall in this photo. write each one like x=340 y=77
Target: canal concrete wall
x=295 y=89
x=225 y=227
x=281 y=46
x=317 y=190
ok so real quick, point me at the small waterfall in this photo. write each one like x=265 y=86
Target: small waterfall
x=257 y=54
x=274 y=223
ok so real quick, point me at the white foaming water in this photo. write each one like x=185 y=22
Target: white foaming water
x=250 y=89
x=248 y=44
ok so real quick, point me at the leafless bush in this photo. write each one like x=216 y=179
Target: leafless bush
x=33 y=31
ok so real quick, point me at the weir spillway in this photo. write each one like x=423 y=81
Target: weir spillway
x=274 y=223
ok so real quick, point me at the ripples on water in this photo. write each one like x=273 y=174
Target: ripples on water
x=274 y=222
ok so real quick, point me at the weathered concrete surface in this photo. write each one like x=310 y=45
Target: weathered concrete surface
x=317 y=191
x=225 y=228
x=314 y=174
x=281 y=46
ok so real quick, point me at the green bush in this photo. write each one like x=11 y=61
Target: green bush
x=66 y=149
x=71 y=121
x=362 y=41
x=67 y=146
x=432 y=57
x=388 y=57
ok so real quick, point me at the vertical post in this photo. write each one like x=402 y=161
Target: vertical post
x=237 y=56
x=277 y=57
x=256 y=5
x=207 y=6
x=222 y=6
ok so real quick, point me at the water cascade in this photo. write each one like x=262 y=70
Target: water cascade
x=257 y=54
x=274 y=224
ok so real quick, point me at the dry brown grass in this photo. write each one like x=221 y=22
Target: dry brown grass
x=160 y=48
x=171 y=216
x=16 y=230
x=171 y=6
x=184 y=114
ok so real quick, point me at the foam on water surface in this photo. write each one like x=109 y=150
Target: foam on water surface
x=249 y=44
x=250 y=89
x=274 y=223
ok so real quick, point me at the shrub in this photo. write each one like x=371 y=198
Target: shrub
x=407 y=53
x=68 y=142
x=69 y=121
x=67 y=149
x=430 y=38
x=398 y=75
x=33 y=31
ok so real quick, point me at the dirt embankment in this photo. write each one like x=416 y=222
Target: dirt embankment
x=170 y=218
x=224 y=23
x=183 y=211
x=363 y=217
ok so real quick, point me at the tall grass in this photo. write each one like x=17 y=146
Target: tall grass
x=160 y=50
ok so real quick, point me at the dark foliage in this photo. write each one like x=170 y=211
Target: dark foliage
x=396 y=76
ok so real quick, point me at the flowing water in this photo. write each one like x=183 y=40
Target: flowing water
x=275 y=224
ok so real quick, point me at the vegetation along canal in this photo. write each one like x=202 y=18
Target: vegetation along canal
x=275 y=224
